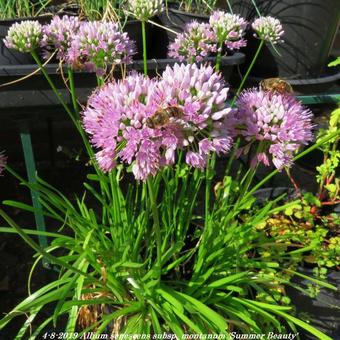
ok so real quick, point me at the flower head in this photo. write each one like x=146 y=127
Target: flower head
x=229 y=29
x=277 y=120
x=194 y=44
x=142 y=121
x=98 y=44
x=268 y=29
x=3 y=161
x=145 y=9
x=57 y=35
x=24 y=36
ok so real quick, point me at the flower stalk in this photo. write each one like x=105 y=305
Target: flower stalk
x=156 y=226
x=145 y=64
x=259 y=48
x=219 y=57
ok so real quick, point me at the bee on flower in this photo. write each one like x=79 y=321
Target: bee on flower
x=143 y=122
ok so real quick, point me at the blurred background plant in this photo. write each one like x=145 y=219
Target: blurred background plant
x=10 y=9
x=195 y=6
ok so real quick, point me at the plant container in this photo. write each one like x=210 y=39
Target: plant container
x=10 y=56
x=134 y=30
x=310 y=27
x=322 y=311
x=174 y=22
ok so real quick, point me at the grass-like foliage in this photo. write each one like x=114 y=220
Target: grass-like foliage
x=113 y=277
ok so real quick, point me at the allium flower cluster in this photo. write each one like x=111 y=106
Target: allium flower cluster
x=24 y=36
x=142 y=121
x=145 y=9
x=3 y=162
x=277 y=120
x=268 y=29
x=229 y=29
x=194 y=44
x=98 y=44
x=58 y=34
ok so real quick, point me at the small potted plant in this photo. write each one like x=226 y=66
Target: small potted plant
x=309 y=230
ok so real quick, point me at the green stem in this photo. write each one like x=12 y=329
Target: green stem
x=73 y=91
x=219 y=57
x=55 y=90
x=42 y=251
x=144 y=49
x=208 y=177
x=248 y=72
x=71 y=114
x=232 y=156
x=256 y=8
x=156 y=225
x=100 y=81
x=300 y=155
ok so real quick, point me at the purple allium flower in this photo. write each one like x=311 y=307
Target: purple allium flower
x=145 y=9
x=3 y=162
x=142 y=121
x=24 y=36
x=277 y=120
x=229 y=29
x=196 y=42
x=99 y=44
x=57 y=35
x=268 y=29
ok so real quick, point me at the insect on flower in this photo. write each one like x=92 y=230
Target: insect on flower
x=163 y=116
x=276 y=85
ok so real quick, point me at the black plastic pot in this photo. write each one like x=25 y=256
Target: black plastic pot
x=134 y=30
x=10 y=56
x=306 y=86
x=310 y=27
x=175 y=21
x=323 y=311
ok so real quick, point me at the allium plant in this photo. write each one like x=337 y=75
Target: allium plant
x=58 y=34
x=3 y=161
x=268 y=29
x=193 y=45
x=117 y=118
x=98 y=44
x=24 y=36
x=229 y=29
x=278 y=121
x=156 y=256
x=145 y=9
